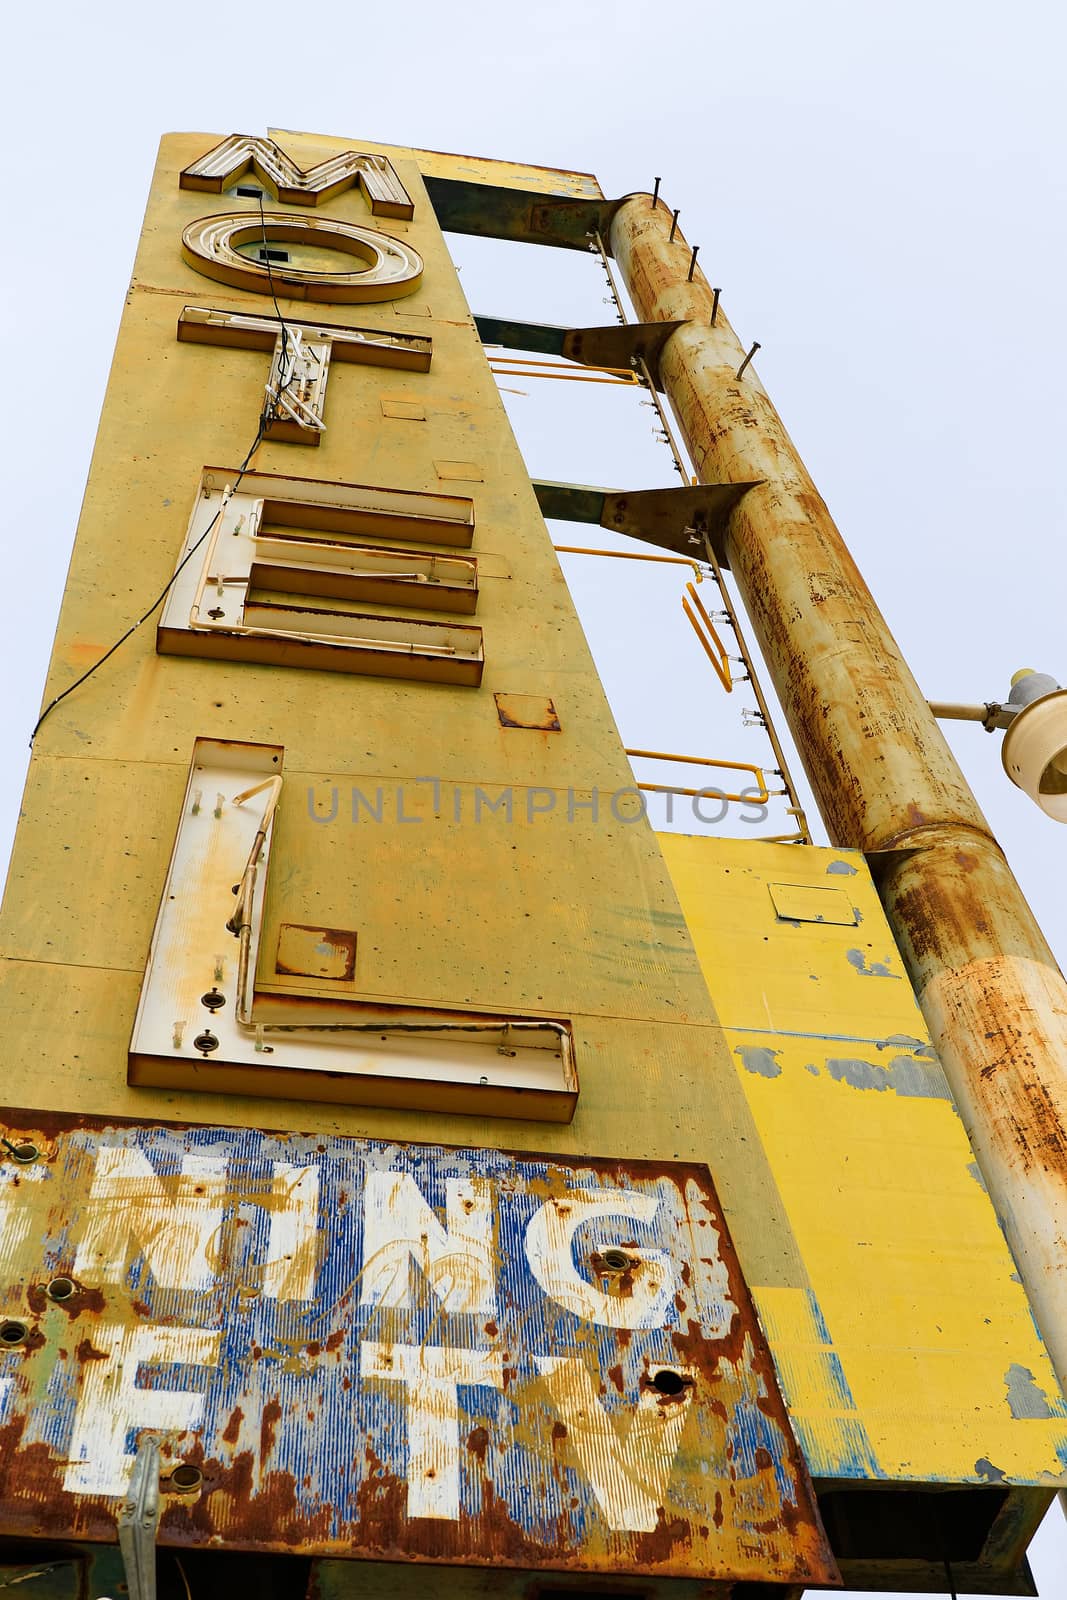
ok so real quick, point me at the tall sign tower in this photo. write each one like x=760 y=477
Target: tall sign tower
x=411 y=1158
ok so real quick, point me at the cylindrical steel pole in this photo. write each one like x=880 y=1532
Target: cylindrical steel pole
x=883 y=776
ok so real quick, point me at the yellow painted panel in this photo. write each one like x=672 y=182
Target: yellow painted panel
x=794 y=977
x=910 y=1352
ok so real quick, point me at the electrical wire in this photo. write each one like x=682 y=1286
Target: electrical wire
x=267 y=417
x=158 y=601
x=284 y=364
x=185 y=1580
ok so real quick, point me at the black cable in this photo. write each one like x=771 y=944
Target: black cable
x=158 y=601
x=268 y=415
x=271 y=406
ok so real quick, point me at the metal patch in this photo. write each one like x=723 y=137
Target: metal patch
x=527 y=711
x=801 y=902
x=316 y=952
x=390 y=1351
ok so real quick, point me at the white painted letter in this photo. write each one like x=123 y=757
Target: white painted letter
x=628 y=1468
x=292 y=1250
x=111 y=1404
x=457 y=1260
x=175 y=1222
x=549 y=1246
x=431 y=1375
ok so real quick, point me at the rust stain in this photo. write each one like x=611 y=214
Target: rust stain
x=83 y=1299
x=478 y=1443
x=269 y=1420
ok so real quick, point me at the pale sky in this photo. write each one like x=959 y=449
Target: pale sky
x=878 y=189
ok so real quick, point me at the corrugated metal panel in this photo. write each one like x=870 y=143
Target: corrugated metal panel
x=384 y=1350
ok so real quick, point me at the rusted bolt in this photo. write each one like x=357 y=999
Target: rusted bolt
x=669 y=1383
x=12 y=1332
x=616 y=1260
x=674 y=226
x=61 y=1288
x=185 y=1479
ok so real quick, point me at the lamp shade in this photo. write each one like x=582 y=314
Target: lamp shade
x=1035 y=753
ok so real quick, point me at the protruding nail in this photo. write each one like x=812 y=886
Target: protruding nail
x=748 y=358
x=655 y=194
x=715 y=305
x=674 y=226
x=692 y=264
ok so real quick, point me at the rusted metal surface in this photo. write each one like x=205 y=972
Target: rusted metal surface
x=527 y=711
x=994 y=999
x=675 y=519
x=402 y=1352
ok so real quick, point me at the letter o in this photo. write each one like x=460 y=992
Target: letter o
x=389 y=268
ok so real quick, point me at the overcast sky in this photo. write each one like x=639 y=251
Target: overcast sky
x=878 y=189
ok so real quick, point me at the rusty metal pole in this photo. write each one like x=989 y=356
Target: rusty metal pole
x=884 y=778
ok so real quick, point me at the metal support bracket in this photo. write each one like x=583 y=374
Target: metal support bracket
x=614 y=346
x=495 y=212
x=138 y=1523
x=673 y=519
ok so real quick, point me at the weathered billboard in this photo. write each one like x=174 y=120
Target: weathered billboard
x=350 y=1347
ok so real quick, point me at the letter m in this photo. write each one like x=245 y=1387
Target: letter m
x=231 y=159
x=173 y=1222
x=456 y=1260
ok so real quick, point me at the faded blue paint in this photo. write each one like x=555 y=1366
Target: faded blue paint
x=340 y=1444
x=759 y=1059
x=904 y=1075
x=845 y=868
x=1026 y=1398
x=916 y=1046
x=839 y=1447
x=817 y=1317
x=870 y=969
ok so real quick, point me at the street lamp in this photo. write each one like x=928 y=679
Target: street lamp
x=1035 y=742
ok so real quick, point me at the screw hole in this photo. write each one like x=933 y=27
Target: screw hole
x=12 y=1332
x=213 y=999
x=616 y=1260
x=186 y=1479
x=61 y=1288
x=205 y=1043
x=25 y=1153
x=669 y=1383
